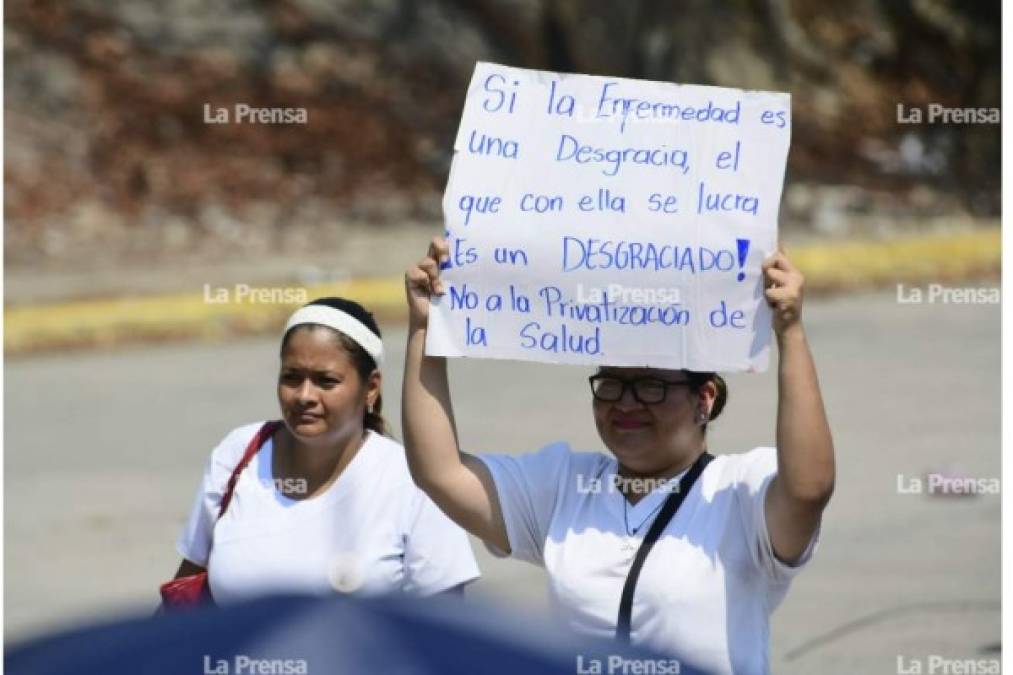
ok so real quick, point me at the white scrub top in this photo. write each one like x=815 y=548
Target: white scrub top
x=707 y=588
x=373 y=531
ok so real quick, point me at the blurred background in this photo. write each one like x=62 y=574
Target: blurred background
x=121 y=205
x=109 y=160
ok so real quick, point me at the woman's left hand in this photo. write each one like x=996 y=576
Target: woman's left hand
x=783 y=283
x=805 y=450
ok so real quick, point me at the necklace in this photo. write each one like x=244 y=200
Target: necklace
x=677 y=481
x=626 y=518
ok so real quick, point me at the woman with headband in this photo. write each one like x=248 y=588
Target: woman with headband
x=325 y=501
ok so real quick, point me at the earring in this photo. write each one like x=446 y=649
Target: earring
x=369 y=408
x=702 y=417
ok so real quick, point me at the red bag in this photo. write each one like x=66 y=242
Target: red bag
x=193 y=590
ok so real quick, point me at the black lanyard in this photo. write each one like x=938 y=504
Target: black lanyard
x=672 y=505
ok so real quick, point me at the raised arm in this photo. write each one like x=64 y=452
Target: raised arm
x=805 y=451
x=458 y=483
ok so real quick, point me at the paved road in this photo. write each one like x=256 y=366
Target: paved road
x=103 y=452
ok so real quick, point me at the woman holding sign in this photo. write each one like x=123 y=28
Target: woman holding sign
x=689 y=553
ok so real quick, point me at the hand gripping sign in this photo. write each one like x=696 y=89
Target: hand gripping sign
x=606 y=221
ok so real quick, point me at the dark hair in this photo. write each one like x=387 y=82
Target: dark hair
x=698 y=380
x=363 y=362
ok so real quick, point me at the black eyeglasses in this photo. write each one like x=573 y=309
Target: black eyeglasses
x=646 y=390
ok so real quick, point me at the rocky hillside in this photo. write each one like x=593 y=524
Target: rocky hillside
x=109 y=156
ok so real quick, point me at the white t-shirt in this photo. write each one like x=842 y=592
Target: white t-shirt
x=706 y=589
x=372 y=531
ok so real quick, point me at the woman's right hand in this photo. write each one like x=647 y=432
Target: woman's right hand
x=457 y=482
x=422 y=281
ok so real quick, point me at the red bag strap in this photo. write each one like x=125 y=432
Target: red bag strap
x=256 y=443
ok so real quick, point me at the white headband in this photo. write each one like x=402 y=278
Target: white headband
x=342 y=322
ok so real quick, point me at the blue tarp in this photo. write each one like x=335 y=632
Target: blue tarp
x=287 y=635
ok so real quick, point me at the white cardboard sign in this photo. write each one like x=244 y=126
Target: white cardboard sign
x=607 y=221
